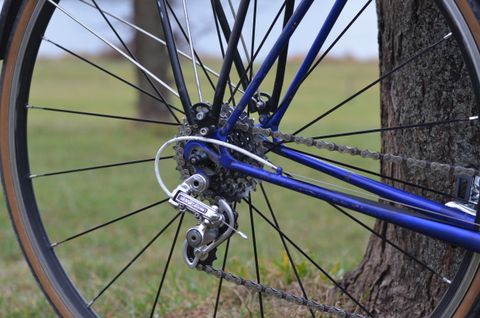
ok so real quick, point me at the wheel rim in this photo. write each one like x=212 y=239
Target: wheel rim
x=24 y=198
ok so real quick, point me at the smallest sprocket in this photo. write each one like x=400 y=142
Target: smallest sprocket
x=225 y=183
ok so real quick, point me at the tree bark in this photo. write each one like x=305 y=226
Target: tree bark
x=434 y=87
x=154 y=57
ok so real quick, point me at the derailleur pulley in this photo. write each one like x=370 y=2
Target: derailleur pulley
x=215 y=223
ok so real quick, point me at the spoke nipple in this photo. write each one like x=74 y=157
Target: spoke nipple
x=54 y=244
x=448 y=35
x=33 y=176
x=473 y=118
x=242 y=235
x=446 y=280
x=90 y=303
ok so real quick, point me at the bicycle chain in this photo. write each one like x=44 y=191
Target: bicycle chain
x=270 y=291
x=354 y=151
x=412 y=163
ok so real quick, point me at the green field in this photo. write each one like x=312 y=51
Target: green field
x=73 y=202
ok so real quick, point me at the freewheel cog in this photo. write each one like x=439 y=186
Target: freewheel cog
x=225 y=183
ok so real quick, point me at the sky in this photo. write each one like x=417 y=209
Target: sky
x=360 y=42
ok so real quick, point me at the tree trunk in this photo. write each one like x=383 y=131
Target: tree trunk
x=432 y=88
x=154 y=57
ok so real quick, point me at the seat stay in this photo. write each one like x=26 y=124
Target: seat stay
x=307 y=63
x=267 y=64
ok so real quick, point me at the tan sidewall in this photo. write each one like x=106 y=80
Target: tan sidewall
x=474 y=290
x=19 y=222
x=471 y=20
x=10 y=193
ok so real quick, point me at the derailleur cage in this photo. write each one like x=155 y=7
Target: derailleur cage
x=215 y=223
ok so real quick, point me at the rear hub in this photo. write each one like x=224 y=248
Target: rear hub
x=224 y=183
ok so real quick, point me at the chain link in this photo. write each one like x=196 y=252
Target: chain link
x=411 y=163
x=270 y=291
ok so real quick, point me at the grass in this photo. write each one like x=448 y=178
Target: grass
x=73 y=202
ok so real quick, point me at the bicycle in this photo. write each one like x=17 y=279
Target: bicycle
x=226 y=152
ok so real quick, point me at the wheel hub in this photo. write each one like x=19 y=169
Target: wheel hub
x=224 y=183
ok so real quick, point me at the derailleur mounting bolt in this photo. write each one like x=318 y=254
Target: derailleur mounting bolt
x=200 y=116
x=204 y=131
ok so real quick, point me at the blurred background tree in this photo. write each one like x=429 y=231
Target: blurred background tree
x=154 y=57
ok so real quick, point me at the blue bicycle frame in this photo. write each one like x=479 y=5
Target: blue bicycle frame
x=430 y=218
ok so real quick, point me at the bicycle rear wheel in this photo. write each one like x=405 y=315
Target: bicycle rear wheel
x=47 y=214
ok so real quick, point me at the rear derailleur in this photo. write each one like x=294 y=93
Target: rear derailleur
x=215 y=223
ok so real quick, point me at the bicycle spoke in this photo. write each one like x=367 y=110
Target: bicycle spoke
x=282 y=59
x=164 y=274
x=412 y=126
x=338 y=38
x=114 y=47
x=157 y=39
x=220 y=281
x=130 y=53
x=111 y=165
x=322 y=57
x=308 y=61
x=138 y=88
x=97 y=227
x=254 y=29
x=196 y=56
x=381 y=78
x=324 y=272
x=232 y=56
x=175 y=64
x=217 y=28
x=383 y=238
x=252 y=47
x=287 y=250
x=224 y=264
x=120 y=273
x=242 y=40
x=192 y=51
x=220 y=42
x=251 y=60
x=255 y=252
x=77 y=112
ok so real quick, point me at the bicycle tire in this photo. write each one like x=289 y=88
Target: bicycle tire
x=48 y=271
